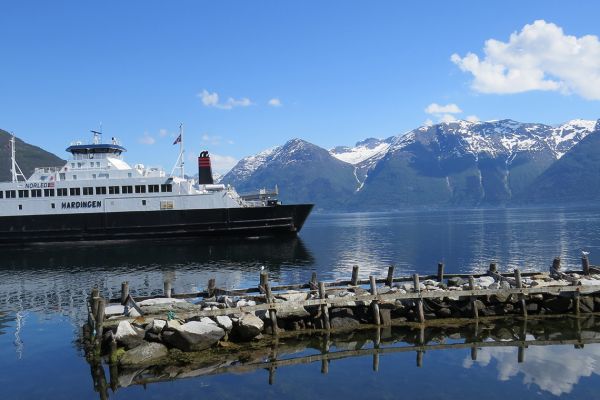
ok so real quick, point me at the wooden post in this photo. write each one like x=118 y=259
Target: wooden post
x=94 y=296
x=167 y=289
x=99 y=323
x=390 y=276
x=374 y=305
x=264 y=278
x=324 y=310
x=212 y=284
x=473 y=298
x=440 y=274
x=419 y=301
x=314 y=285
x=354 y=280
x=555 y=266
x=272 y=313
x=124 y=291
x=493 y=268
x=585 y=264
x=519 y=285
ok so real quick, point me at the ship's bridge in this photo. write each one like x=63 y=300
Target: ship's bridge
x=98 y=150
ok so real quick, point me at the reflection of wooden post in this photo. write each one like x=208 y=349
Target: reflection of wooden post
x=324 y=310
x=325 y=351
x=519 y=285
x=473 y=298
x=390 y=276
x=474 y=353
x=521 y=354
x=124 y=291
x=271 y=375
x=272 y=313
x=374 y=305
x=440 y=274
x=99 y=379
x=419 y=301
x=167 y=289
x=354 y=280
x=420 y=358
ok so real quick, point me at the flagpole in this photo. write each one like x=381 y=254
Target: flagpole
x=181 y=151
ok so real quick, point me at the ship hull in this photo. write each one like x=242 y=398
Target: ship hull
x=272 y=221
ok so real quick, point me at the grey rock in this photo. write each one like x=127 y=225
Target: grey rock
x=224 y=322
x=248 y=326
x=444 y=312
x=343 y=323
x=127 y=336
x=456 y=281
x=194 y=336
x=157 y=325
x=144 y=354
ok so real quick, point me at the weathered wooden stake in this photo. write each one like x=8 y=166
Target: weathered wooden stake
x=94 y=296
x=314 y=285
x=374 y=305
x=167 y=289
x=419 y=301
x=324 y=310
x=99 y=322
x=440 y=274
x=212 y=284
x=354 y=280
x=124 y=291
x=264 y=278
x=272 y=313
x=473 y=298
x=493 y=268
x=390 y=276
x=585 y=264
x=519 y=285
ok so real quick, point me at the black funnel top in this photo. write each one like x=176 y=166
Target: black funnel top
x=205 y=176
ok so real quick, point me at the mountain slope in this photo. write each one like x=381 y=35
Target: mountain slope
x=304 y=173
x=28 y=157
x=573 y=178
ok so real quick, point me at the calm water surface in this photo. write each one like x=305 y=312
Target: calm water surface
x=42 y=291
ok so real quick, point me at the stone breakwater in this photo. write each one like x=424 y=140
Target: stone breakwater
x=144 y=331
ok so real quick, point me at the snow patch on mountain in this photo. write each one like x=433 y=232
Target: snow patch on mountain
x=248 y=165
x=361 y=151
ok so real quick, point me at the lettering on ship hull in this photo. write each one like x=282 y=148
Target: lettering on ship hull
x=80 y=204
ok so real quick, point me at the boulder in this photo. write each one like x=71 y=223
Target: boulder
x=194 y=335
x=245 y=303
x=144 y=354
x=157 y=325
x=456 y=281
x=558 y=304
x=295 y=312
x=127 y=336
x=484 y=281
x=248 y=326
x=444 y=312
x=114 y=309
x=293 y=295
x=343 y=323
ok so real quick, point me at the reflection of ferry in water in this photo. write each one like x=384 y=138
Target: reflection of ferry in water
x=98 y=196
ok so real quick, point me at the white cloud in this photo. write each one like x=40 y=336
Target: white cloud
x=428 y=122
x=435 y=108
x=163 y=133
x=147 y=139
x=275 y=102
x=212 y=100
x=212 y=140
x=539 y=57
x=222 y=164
x=447 y=118
x=472 y=118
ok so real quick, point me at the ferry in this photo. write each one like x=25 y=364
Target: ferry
x=97 y=196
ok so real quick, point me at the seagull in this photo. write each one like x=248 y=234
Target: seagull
x=585 y=253
x=262 y=267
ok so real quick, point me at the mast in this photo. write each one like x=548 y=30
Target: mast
x=181 y=151
x=14 y=169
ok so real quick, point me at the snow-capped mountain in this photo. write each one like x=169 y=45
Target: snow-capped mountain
x=460 y=163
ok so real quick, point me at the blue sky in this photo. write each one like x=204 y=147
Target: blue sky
x=247 y=75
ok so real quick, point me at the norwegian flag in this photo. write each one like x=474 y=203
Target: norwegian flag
x=178 y=140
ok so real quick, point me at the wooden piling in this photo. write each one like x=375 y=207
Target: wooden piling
x=324 y=310
x=314 y=285
x=440 y=273
x=99 y=322
x=264 y=278
x=473 y=299
x=493 y=268
x=124 y=291
x=94 y=296
x=354 y=280
x=519 y=285
x=390 y=276
x=374 y=305
x=212 y=284
x=585 y=264
x=272 y=313
x=419 y=301
x=167 y=289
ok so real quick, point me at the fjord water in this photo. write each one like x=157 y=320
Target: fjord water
x=42 y=292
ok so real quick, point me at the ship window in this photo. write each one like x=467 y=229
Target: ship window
x=23 y=193
x=48 y=192
x=11 y=194
x=74 y=177
x=20 y=207
x=62 y=176
x=93 y=176
x=140 y=188
x=1 y=194
x=61 y=192
x=98 y=164
x=152 y=188
x=88 y=191
x=100 y=189
x=72 y=165
x=75 y=191
x=79 y=165
x=143 y=202
x=129 y=174
x=36 y=192
x=52 y=205
x=127 y=189
x=167 y=187
x=113 y=190
x=166 y=205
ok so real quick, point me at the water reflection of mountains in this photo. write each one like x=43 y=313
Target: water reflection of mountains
x=553 y=354
x=163 y=253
